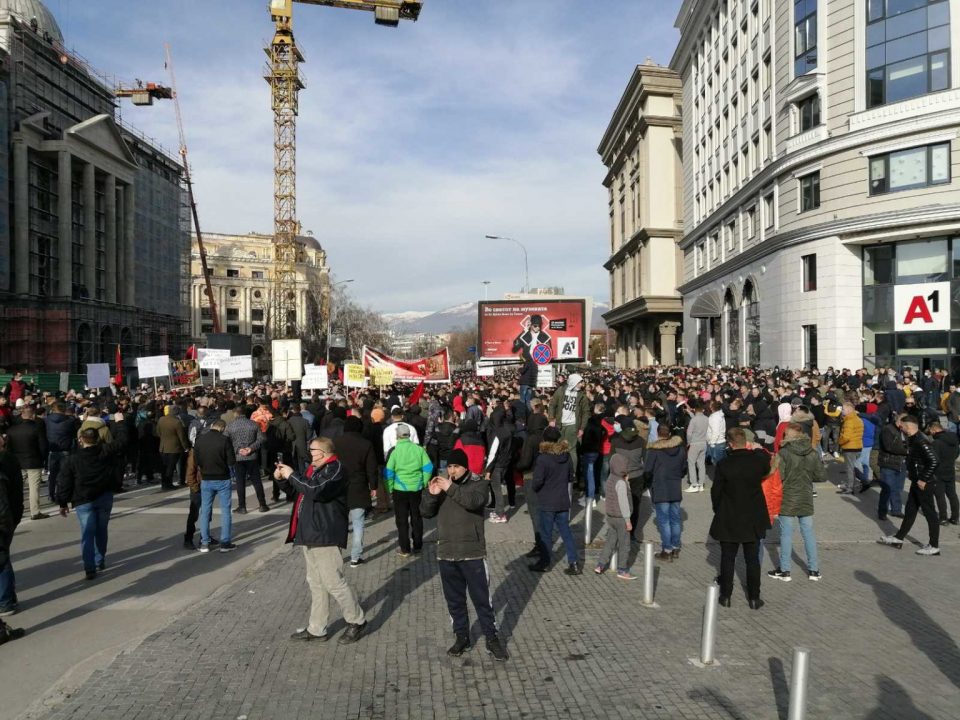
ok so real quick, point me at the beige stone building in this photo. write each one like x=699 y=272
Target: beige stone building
x=241 y=272
x=642 y=152
x=821 y=156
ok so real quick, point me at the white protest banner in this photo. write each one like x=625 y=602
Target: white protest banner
x=354 y=376
x=210 y=357
x=64 y=382
x=545 y=378
x=236 y=367
x=98 y=375
x=314 y=378
x=153 y=366
x=287 y=360
x=486 y=370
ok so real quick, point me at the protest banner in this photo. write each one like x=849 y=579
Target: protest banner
x=236 y=367
x=354 y=376
x=153 y=366
x=98 y=375
x=513 y=329
x=433 y=369
x=186 y=374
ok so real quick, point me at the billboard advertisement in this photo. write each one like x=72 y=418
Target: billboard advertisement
x=433 y=369
x=546 y=330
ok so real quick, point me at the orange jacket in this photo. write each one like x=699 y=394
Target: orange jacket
x=261 y=416
x=851 y=432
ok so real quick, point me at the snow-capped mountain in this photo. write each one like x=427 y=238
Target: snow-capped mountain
x=459 y=316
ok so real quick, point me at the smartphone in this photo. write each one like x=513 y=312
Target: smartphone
x=280 y=458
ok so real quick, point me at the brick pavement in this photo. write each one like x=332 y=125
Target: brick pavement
x=882 y=628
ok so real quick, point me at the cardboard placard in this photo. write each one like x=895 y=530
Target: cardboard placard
x=236 y=367
x=153 y=366
x=287 y=360
x=98 y=375
x=382 y=376
x=315 y=378
x=545 y=376
x=210 y=358
x=186 y=374
x=354 y=376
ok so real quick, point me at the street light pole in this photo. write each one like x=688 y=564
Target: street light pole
x=526 y=265
x=486 y=284
x=330 y=314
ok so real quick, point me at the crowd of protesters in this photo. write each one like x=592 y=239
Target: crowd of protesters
x=602 y=439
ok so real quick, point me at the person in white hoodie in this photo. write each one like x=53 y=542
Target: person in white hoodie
x=716 y=433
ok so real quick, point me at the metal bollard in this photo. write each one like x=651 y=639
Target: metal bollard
x=709 y=631
x=588 y=520
x=614 y=561
x=798 y=684
x=648 y=574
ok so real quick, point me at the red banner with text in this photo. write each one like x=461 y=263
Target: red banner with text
x=433 y=369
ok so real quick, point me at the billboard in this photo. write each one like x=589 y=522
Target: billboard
x=508 y=330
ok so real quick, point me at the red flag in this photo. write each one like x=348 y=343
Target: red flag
x=417 y=394
x=191 y=353
x=118 y=378
x=340 y=374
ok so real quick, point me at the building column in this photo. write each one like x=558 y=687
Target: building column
x=21 y=215
x=129 y=215
x=65 y=221
x=668 y=342
x=110 y=238
x=90 y=229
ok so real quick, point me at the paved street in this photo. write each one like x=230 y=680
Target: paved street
x=882 y=629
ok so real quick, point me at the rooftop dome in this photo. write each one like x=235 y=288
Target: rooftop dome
x=26 y=10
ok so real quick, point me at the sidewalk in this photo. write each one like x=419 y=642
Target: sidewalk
x=882 y=628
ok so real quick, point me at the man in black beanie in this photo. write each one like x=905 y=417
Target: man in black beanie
x=458 y=502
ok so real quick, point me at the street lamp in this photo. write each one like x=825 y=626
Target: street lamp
x=330 y=313
x=526 y=265
x=486 y=284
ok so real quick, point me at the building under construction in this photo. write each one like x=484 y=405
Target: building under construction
x=96 y=248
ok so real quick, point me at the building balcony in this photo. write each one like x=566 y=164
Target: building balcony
x=804 y=139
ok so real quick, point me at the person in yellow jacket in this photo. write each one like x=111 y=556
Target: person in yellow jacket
x=851 y=445
x=407 y=474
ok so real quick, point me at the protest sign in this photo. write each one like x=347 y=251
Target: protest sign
x=236 y=367
x=186 y=374
x=209 y=358
x=153 y=366
x=354 y=376
x=98 y=375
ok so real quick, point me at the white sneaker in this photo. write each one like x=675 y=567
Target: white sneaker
x=691 y=489
x=892 y=541
x=928 y=550
x=582 y=501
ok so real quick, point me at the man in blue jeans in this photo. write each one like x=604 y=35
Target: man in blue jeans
x=892 y=459
x=213 y=454
x=88 y=479
x=552 y=477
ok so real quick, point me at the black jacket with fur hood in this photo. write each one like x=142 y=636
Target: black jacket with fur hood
x=666 y=464
x=552 y=475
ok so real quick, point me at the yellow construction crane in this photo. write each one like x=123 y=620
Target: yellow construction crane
x=283 y=75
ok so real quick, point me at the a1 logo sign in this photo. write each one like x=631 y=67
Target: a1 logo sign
x=924 y=306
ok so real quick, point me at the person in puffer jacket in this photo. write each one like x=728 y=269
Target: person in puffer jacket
x=408 y=472
x=471 y=442
x=666 y=465
x=552 y=477
x=631 y=445
x=618 y=507
x=536 y=423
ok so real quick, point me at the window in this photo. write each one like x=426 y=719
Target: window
x=256 y=274
x=233 y=273
x=206 y=328
x=751 y=223
x=767 y=142
x=805 y=36
x=715 y=247
x=233 y=329
x=205 y=312
x=731 y=235
x=257 y=329
x=809 y=272
x=809 y=111
x=810 y=346
x=922 y=260
x=910 y=169
x=810 y=192
x=700 y=255
x=878 y=265
x=908 y=49
x=233 y=314
x=256 y=315
x=769 y=211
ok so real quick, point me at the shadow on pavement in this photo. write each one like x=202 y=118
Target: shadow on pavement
x=719 y=701
x=928 y=636
x=781 y=689
x=403 y=582
x=893 y=701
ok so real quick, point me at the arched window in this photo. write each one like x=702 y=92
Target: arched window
x=731 y=314
x=107 y=346
x=751 y=306
x=84 y=347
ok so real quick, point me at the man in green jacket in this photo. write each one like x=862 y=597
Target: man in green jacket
x=800 y=467
x=408 y=472
x=569 y=411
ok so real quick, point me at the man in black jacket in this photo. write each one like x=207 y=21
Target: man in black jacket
x=360 y=463
x=214 y=456
x=457 y=501
x=87 y=480
x=27 y=440
x=11 y=513
x=947 y=448
x=61 y=432
x=892 y=460
x=318 y=523
x=921 y=469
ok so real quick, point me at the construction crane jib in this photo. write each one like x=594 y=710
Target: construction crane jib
x=283 y=75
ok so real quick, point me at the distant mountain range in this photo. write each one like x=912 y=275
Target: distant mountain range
x=412 y=322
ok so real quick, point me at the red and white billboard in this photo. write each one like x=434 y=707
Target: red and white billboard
x=515 y=329
x=433 y=369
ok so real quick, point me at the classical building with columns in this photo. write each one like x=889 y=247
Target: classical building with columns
x=95 y=251
x=241 y=275
x=641 y=149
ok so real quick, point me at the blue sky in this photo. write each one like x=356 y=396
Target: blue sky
x=413 y=143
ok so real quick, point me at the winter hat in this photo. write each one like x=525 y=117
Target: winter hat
x=618 y=465
x=457 y=457
x=551 y=434
x=20 y=403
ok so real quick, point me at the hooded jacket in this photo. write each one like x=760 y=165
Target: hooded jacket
x=360 y=464
x=666 y=464
x=800 y=467
x=893 y=449
x=806 y=420
x=739 y=507
x=552 y=475
x=946 y=446
x=90 y=471
x=617 y=502
x=409 y=468
x=471 y=442
x=61 y=432
x=460 y=518
x=629 y=443
x=851 y=433
x=536 y=424
x=581 y=406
